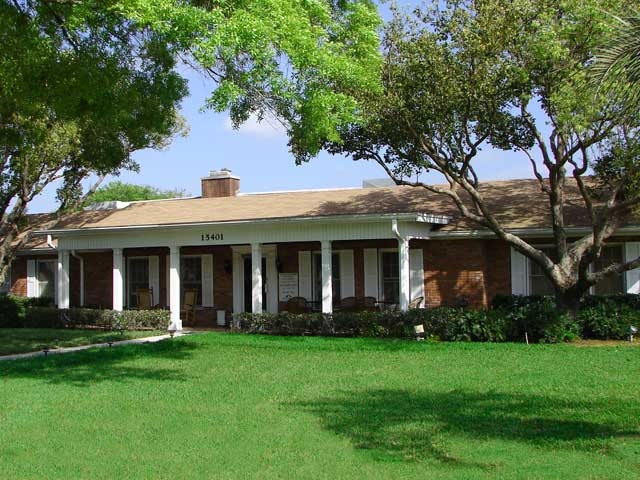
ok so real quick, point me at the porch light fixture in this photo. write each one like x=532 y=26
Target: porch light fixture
x=632 y=331
x=227 y=267
x=278 y=265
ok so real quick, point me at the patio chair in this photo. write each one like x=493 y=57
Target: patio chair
x=349 y=304
x=144 y=297
x=188 y=307
x=369 y=304
x=415 y=303
x=297 y=305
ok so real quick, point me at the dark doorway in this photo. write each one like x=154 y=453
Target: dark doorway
x=248 y=287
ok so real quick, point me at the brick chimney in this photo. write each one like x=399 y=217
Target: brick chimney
x=220 y=183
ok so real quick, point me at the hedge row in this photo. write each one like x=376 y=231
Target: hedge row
x=508 y=320
x=47 y=317
x=20 y=312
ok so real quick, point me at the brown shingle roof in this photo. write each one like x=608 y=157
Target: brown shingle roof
x=517 y=203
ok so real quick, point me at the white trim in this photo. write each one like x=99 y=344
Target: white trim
x=118 y=279
x=347 y=275
x=269 y=252
x=416 y=267
x=370 y=266
x=32 y=284
x=632 y=277
x=305 y=274
x=207 y=279
x=519 y=273
x=154 y=278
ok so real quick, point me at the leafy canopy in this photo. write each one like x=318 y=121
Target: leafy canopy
x=463 y=75
x=128 y=192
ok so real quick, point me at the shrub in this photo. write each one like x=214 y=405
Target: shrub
x=47 y=317
x=13 y=310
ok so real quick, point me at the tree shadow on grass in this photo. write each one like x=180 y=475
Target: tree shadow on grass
x=125 y=363
x=411 y=426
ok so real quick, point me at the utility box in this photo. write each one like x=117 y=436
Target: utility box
x=221 y=318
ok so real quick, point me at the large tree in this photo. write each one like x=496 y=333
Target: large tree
x=84 y=84
x=129 y=192
x=462 y=75
x=618 y=59
x=81 y=88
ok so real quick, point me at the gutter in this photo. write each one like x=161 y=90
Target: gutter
x=75 y=255
x=416 y=217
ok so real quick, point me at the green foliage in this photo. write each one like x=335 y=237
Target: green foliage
x=48 y=317
x=13 y=310
x=81 y=89
x=617 y=65
x=301 y=61
x=460 y=76
x=253 y=406
x=128 y=192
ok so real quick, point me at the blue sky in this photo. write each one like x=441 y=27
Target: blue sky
x=259 y=155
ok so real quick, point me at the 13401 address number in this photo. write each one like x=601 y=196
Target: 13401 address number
x=208 y=237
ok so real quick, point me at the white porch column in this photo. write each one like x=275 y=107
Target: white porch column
x=403 y=262
x=118 y=282
x=174 y=287
x=63 y=279
x=327 y=287
x=256 y=278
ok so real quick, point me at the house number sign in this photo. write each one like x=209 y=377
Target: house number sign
x=208 y=237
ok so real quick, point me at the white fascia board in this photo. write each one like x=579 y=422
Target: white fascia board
x=36 y=251
x=422 y=218
x=528 y=233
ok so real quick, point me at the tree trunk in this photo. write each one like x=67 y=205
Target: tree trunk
x=568 y=300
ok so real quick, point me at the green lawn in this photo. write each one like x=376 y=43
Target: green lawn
x=22 y=340
x=236 y=407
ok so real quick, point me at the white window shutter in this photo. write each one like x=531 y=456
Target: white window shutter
x=632 y=277
x=347 y=282
x=518 y=273
x=207 y=280
x=167 y=272
x=416 y=274
x=304 y=274
x=32 y=282
x=154 y=278
x=371 y=272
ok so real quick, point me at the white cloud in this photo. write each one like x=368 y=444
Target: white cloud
x=267 y=129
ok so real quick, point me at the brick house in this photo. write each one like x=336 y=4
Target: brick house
x=250 y=252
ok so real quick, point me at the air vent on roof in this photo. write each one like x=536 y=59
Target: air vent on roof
x=378 y=183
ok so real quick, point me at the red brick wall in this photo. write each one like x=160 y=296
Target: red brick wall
x=98 y=278
x=19 y=277
x=220 y=187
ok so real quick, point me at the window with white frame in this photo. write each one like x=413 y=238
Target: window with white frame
x=137 y=277
x=5 y=286
x=389 y=276
x=316 y=272
x=613 y=283
x=191 y=275
x=46 y=279
x=537 y=283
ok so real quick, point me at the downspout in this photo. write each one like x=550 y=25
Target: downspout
x=394 y=229
x=81 y=260
x=50 y=243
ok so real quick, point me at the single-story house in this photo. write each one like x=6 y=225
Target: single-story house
x=251 y=252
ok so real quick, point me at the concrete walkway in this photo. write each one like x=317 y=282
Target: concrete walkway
x=60 y=350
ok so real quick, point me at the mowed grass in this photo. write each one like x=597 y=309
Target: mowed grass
x=223 y=406
x=23 y=340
